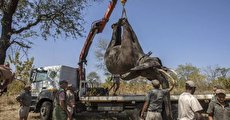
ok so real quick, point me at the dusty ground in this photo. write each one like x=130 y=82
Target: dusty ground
x=9 y=109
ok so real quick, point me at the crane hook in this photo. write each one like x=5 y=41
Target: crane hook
x=123 y=2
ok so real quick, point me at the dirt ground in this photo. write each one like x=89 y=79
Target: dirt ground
x=9 y=109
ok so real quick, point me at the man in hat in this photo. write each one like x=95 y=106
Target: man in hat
x=215 y=87
x=60 y=111
x=25 y=100
x=116 y=83
x=189 y=107
x=154 y=102
x=70 y=100
x=218 y=109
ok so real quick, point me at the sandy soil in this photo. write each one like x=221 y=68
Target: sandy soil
x=9 y=109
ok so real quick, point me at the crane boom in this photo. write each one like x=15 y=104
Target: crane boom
x=97 y=27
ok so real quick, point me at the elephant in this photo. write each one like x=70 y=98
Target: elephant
x=125 y=56
x=6 y=77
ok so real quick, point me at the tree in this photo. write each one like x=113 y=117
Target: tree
x=211 y=72
x=223 y=72
x=190 y=72
x=215 y=72
x=99 y=54
x=22 y=72
x=21 y=19
x=93 y=78
x=223 y=78
x=22 y=67
x=185 y=71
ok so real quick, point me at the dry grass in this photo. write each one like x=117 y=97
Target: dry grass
x=9 y=109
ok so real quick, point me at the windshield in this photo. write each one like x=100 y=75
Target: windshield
x=40 y=76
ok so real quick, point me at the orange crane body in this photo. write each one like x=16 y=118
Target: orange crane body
x=97 y=27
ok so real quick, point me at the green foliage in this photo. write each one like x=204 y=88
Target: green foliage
x=51 y=16
x=190 y=72
x=22 y=67
x=94 y=79
x=23 y=19
x=15 y=87
x=137 y=86
x=22 y=73
x=185 y=72
x=224 y=82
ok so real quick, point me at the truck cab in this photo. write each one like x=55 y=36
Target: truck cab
x=44 y=81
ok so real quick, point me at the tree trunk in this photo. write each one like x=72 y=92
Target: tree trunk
x=2 y=54
x=6 y=23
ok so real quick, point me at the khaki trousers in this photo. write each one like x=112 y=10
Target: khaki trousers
x=153 y=116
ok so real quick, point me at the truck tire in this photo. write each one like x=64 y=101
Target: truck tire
x=46 y=110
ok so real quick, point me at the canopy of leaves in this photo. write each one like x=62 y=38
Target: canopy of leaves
x=22 y=73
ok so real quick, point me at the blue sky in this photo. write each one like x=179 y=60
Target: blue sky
x=177 y=31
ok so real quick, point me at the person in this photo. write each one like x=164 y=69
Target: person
x=83 y=90
x=215 y=87
x=60 y=111
x=189 y=107
x=154 y=101
x=218 y=109
x=70 y=100
x=24 y=99
x=116 y=83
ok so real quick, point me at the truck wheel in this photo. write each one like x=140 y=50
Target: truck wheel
x=46 y=110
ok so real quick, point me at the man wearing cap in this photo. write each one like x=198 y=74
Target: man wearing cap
x=154 y=101
x=116 y=83
x=70 y=100
x=215 y=87
x=60 y=111
x=218 y=109
x=189 y=107
x=25 y=100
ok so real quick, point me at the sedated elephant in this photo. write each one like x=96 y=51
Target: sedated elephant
x=125 y=56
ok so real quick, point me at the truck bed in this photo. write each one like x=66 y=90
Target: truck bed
x=138 y=98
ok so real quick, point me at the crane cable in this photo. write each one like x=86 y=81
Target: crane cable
x=124 y=15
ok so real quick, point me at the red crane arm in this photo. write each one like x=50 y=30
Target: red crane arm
x=97 y=27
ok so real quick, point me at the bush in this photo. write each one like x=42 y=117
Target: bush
x=15 y=87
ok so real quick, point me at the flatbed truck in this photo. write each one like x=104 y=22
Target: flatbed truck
x=45 y=80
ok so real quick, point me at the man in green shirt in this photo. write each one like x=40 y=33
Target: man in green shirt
x=60 y=111
x=219 y=109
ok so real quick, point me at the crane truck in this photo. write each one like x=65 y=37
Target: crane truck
x=45 y=79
